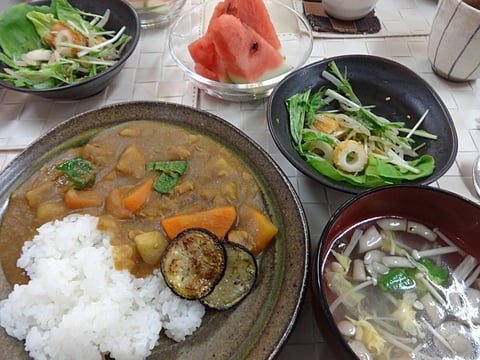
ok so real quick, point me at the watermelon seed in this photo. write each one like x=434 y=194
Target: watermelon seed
x=255 y=46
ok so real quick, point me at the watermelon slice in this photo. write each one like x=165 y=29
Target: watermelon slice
x=245 y=55
x=243 y=50
x=219 y=10
x=255 y=14
x=207 y=62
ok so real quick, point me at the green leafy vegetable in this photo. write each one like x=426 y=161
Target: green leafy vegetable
x=165 y=182
x=302 y=107
x=79 y=171
x=170 y=173
x=17 y=34
x=396 y=280
x=42 y=22
x=179 y=166
x=435 y=273
x=347 y=142
x=342 y=82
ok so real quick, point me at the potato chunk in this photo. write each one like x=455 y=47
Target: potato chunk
x=150 y=246
x=132 y=162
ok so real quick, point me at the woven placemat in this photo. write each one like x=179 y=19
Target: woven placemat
x=320 y=21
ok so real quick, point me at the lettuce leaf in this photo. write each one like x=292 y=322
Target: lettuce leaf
x=66 y=13
x=42 y=22
x=17 y=34
x=377 y=172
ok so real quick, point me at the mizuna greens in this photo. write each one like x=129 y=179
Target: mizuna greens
x=345 y=140
x=50 y=46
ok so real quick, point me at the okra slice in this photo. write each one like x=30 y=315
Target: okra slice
x=193 y=263
x=237 y=281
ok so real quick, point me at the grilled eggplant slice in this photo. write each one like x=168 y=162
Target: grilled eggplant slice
x=193 y=263
x=237 y=281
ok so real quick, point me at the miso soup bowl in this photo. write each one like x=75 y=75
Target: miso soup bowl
x=456 y=217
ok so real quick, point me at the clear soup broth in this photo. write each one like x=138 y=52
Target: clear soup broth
x=400 y=290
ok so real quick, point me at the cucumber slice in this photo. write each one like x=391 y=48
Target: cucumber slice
x=237 y=281
x=193 y=263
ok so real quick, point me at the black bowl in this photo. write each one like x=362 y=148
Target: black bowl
x=398 y=94
x=456 y=217
x=122 y=14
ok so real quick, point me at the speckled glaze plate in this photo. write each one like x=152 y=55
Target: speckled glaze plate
x=258 y=326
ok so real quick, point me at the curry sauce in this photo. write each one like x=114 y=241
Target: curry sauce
x=215 y=177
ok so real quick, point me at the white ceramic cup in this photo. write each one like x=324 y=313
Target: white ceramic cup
x=454 y=42
x=348 y=10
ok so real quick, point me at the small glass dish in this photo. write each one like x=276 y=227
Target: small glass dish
x=155 y=13
x=293 y=31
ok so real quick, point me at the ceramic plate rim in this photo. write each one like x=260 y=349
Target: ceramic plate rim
x=56 y=140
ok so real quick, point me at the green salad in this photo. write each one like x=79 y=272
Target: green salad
x=45 y=47
x=346 y=141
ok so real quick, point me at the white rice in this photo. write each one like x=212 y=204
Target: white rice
x=77 y=306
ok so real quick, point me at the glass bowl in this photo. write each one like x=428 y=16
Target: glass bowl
x=154 y=13
x=293 y=31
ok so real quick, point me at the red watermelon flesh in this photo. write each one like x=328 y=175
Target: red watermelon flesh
x=207 y=62
x=246 y=55
x=219 y=10
x=254 y=13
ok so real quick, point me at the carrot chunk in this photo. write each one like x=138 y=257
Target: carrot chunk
x=217 y=220
x=114 y=206
x=79 y=199
x=139 y=196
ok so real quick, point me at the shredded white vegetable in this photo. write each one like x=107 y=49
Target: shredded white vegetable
x=354 y=289
x=110 y=41
x=437 y=335
x=419 y=122
x=353 y=242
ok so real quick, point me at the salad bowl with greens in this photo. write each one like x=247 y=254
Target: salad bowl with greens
x=356 y=122
x=65 y=49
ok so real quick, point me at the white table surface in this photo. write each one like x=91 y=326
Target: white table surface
x=150 y=74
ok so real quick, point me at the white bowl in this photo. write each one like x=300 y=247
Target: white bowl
x=349 y=9
x=293 y=31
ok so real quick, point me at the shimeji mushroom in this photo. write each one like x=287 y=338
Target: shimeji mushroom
x=434 y=310
x=456 y=339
